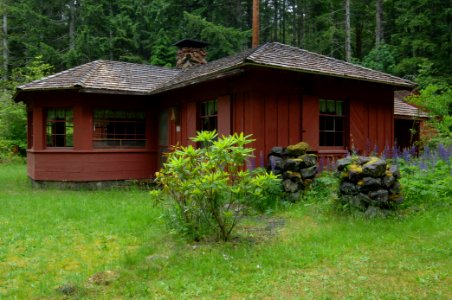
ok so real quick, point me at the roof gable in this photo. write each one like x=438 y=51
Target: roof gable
x=122 y=77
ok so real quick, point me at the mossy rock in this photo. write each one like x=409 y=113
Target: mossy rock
x=355 y=172
x=292 y=164
x=297 y=149
x=308 y=160
x=294 y=176
x=376 y=167
x=343 y=163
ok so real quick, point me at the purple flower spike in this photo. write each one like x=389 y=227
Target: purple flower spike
x=261 y=159
x=444 y=154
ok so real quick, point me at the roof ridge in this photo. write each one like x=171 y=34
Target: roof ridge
x=95 y=67
x=259 y=48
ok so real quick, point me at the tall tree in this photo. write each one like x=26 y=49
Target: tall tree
x=72 y=10
x=348 y=44
x=378 y=22
x=5 y=43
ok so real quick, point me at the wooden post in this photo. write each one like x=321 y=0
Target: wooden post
x=255 y=42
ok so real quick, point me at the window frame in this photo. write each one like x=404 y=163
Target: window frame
x=334 y=117
x=68 y=123
x=206 y=114
x=117 y=125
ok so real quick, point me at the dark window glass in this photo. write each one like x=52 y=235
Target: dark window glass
x=59 y=128
x=119 y=129
x=208 y=115
x=332 y=123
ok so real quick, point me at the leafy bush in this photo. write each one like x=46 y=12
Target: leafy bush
x=266 y=190
x=208 y=189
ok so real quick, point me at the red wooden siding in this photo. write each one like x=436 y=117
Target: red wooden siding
x=372 y=122
x=278 y=107
x=82 y=162
x=310 y=121
x=224 y=115
x=91 y=165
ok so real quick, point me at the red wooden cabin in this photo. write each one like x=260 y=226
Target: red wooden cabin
x=109 y=120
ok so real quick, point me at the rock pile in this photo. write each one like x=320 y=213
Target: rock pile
x=296 y=168
x=369 y=184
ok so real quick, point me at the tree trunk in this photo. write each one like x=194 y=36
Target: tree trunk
x=239 y=12
x=348 y=47
x=283 y=22
x=301 y=25
x=5 y=46
x=275 y=25
x=378 y=22
x=72 y=25
x=111 y=32
x=256 y=17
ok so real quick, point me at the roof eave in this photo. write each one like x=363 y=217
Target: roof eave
x=402 y=85
x=17 y=96
x=20 y=91
x=114 y=91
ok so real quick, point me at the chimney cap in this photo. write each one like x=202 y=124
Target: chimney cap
x=190 y=43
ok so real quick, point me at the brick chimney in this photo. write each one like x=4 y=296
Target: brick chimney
x=191 y=53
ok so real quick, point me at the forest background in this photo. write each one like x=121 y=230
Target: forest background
x=408 y=38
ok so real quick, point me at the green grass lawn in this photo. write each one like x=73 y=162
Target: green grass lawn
x=51 y=239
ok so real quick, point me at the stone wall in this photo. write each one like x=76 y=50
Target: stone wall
x=369 y=184
x=296 y=168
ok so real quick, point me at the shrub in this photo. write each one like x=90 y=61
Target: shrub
x=208 y=189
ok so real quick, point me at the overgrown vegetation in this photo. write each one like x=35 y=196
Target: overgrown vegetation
x=436 y=99
x=208 y=189
x=13 y=117
x=56 y=244
x=427 y=179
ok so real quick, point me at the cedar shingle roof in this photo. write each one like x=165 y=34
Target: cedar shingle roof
x=280 y=55
x=146 y=79
x=106 y=75
x=403 y=109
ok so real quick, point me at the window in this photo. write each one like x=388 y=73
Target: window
x=208 y=115
x=119 y=129
x=59 y=128
x=332 y=123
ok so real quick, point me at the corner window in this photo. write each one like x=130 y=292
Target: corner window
x=59 y=128
x=332 y=123
x=119 y=129
x=208 y=112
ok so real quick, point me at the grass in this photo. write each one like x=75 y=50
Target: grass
x=52 y=238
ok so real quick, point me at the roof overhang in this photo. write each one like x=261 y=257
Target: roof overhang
x=407 y=86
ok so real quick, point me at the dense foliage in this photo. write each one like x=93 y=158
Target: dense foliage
x=406 y=38
x=70 y=32
x=207 y=188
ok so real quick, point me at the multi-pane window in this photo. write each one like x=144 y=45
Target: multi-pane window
x=208 y=119
x=59 y=128
x=332 y=123
x=119 y=129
